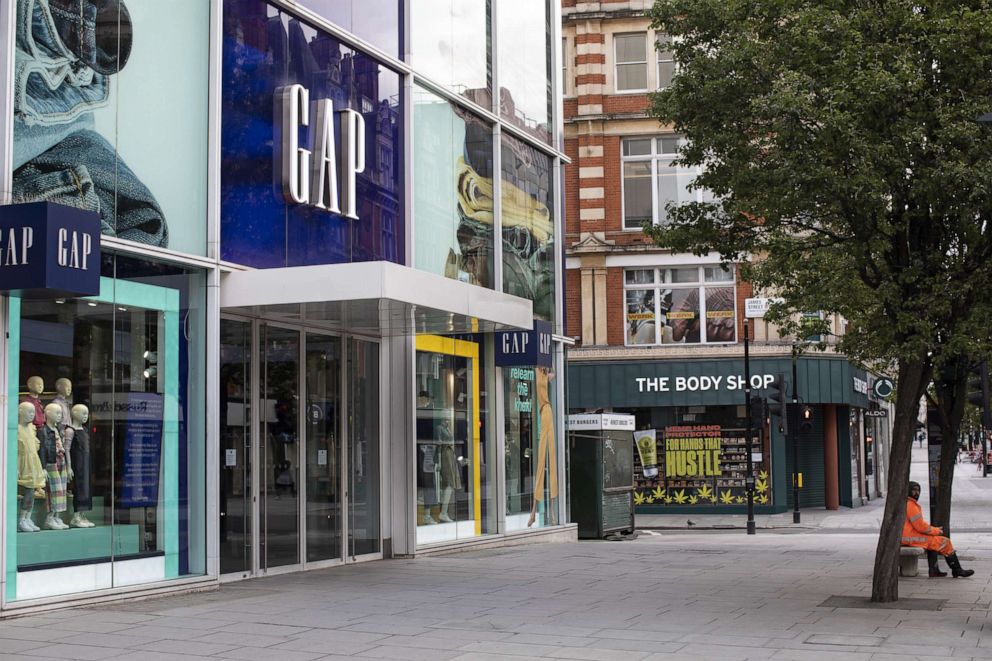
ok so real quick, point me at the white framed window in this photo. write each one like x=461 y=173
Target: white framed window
x=665 y=69
x=680 y=305
x=630 y=62
x=564 y=66
x=651 y=181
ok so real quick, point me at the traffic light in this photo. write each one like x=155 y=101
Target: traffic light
x=806 y=418
x=778 y=402
x=758 y=413
x=978 y=391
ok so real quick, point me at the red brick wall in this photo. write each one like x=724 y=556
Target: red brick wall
x=625 y=104
x=744 y=290
x=572 y=189
x=614 y=183
x=573 y=304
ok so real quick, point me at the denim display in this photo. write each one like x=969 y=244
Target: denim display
x=83 y=171
x=66 y=51
x=51 y=86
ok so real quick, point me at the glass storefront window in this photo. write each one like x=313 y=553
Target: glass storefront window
x=451 y=45
x=531 y=448
x=528 y=226
x=641 y=320
x=690 y=305
x=453 y=191
x=697 y=456
x=454 y=474
x=265 y=50
x=108 y=433
x=111 y=115
x=375 y=21
x=524 y=72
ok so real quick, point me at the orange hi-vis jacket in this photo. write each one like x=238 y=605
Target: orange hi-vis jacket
x=917 y=532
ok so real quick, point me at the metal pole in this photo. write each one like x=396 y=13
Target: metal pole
x=794 y=430
x=986 y=418
x=749 y=478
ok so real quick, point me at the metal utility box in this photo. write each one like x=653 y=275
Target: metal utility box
x=601 y=473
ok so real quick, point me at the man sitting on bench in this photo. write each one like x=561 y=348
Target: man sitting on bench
x=917 y=532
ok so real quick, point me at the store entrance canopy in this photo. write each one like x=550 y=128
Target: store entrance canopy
x=372 y=298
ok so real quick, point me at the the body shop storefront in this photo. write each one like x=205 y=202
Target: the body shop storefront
x=691 y=430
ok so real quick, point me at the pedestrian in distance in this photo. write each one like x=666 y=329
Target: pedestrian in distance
x=917 y=532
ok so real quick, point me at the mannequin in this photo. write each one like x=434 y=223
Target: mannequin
x=63 y=397
x=30 y=472
x=36 y=386
x=53 y=457
x=79 y=453
x=546 y=446
x=451 y=475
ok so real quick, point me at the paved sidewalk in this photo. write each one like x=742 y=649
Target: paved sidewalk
x=972 y=509
x=718 y=594
x=671 y=595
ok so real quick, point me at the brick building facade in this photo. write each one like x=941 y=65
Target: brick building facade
x=635 y=309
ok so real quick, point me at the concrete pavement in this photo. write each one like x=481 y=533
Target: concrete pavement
x=781 y=594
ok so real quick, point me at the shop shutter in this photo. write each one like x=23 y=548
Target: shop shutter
x=810 y=464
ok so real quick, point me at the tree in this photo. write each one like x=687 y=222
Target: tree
x=948 y=396
x=839 y=144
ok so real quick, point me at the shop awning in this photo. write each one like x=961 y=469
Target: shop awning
x=372 y=298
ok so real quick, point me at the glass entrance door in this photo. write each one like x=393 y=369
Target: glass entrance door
x=363 y=448
x=235 y=448
x=324 y=518
x=300 y=469
x=279 y=447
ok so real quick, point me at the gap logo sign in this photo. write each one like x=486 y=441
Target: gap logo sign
x=525 y=348
x=322 y=173
x=49 y=250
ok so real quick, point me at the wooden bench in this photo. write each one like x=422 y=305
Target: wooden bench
x=909 y=557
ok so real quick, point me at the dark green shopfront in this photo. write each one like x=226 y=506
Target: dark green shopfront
x=691 y=413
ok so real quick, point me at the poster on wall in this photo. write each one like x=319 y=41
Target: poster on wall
x=110 y=114
x=142 y=450
x=696 y=465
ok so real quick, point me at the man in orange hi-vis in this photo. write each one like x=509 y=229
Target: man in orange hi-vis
x=917 y=532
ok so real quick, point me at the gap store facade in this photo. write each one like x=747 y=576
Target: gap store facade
x=286 y=298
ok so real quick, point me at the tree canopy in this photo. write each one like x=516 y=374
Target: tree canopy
x=840 y=142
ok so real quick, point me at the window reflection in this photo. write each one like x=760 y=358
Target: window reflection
x=453 y=192
x=450 y=41
x=265 y=48
x=528 y=226
x=525 y=66
x=375 y=21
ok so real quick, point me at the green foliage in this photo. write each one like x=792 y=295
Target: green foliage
x=840 y=141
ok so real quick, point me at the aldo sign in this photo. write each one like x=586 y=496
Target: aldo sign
x=49 y=250
x=322 y=173
x=525 y=348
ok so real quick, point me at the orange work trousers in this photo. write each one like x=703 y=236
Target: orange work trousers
x=941 y=545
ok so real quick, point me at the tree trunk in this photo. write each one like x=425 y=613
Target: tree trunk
x=913 y=378
x=951 y=385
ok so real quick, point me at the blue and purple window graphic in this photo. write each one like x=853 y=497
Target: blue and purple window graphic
x=267 y=50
